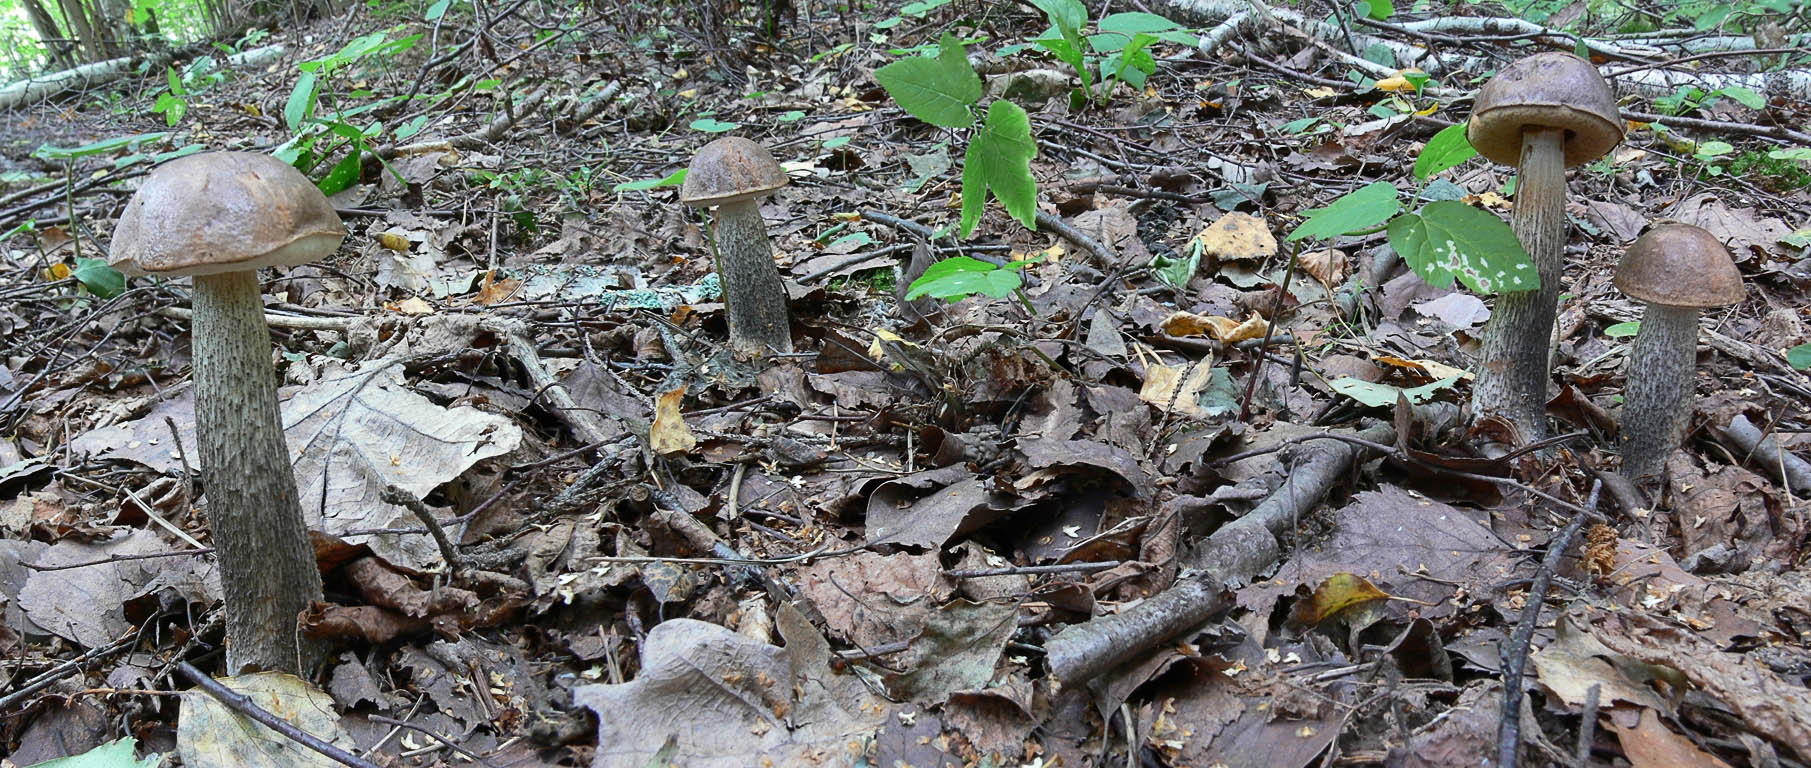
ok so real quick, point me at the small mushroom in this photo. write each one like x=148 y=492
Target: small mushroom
x=1542 y=114
x=1678 y=269
x=218 y=217
x=734 y=173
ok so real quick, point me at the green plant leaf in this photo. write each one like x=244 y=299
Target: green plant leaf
x=1176 y=273
x=1384 y=395
x=1451 y=239
x=1744 y=96
x=960 y=277
x=1800 y=356
x=1380 y=10
x=99 y=278
x=1623 y=330
x=1362 y=208
x=48 y=152
x=999 y=159
x=1116 y=30
x=437 y=10
x=344 y=174
x=713 y=125
x=1068 y=16
x=301 y=101
x=1132 y=64
x=1446 y=149
x=938 y=90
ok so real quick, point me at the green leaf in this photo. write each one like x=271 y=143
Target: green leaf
x=1714 y=148
x=113 y=754
x=999 y=159
x=345 y=173
x=1384 y=395
x=1446 y=149
x=1115 y=31
x=938 y=91
x=1376 y=9
x=1451 y=239
x=960 y=277
x=1713 y=17
x=1176 y=273
x=1623 y=330
x=437 y=10
x=1133 y=64
x=1744 y=96
x=674 y=179
x=301 y=101
x=99 y=278
x=1068 y=16
x=791 y=116
x=48 y=152
x=1363 y=208
x=713 y=125
x=172 y=107
x=1800 y=356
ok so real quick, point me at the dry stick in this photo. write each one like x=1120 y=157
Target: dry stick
x=1515 y=654
x=1234 y=554
x=1276 y=311
x=1076 y=236
x=1764 y=450
x=1726 y=126
x=396 y=494
x=466 y=753
x=65 y=669
x=243 y=704
x=1587 y=727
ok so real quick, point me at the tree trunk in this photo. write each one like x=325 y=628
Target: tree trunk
x=267 y=565
x=76 y=17
x=754 y=296
x=1512 y=366
x=1657 y=395
x=57 y=48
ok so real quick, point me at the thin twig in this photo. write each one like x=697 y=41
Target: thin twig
x=243 y=704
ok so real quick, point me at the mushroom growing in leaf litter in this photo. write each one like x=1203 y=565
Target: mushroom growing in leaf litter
x=219 y=217
x=1677 y=269
x=1542 y=114
x=733 y=174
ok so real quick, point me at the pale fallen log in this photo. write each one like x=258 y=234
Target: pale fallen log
x=1232 y=556
x=101 y=72
x=1229 y=17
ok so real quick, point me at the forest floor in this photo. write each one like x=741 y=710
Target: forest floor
x=906 y=542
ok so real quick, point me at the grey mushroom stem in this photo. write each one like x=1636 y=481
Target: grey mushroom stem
x=1513 y=372
x=1657 y=400
x=754 y=296
x=253 y=507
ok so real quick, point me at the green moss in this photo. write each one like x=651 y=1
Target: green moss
x=1771 y=174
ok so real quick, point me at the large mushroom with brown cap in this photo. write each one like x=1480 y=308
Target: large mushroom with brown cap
x=218 y=217
x=1678 y=270
x=1542 y=114
x=733 y=174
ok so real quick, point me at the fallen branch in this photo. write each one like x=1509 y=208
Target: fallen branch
x=1764 y=450
x=101 y=72
x=1234 y=555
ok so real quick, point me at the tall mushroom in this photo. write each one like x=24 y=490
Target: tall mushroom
x=1542 y=114
x=219 y=217
x=733 y=174
x=1677 y=269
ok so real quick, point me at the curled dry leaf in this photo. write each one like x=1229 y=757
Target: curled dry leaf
x=669 y=435
x=1222 y=329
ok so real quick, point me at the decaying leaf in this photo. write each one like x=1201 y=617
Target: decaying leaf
x=669 y=435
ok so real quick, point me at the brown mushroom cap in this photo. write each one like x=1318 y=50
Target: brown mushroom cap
x=728 y=170
x=1679 y=265
x=1551 y=90
x=224 y=212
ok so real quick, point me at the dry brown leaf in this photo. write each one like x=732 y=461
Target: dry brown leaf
x=669 y=435
x=1237 y=237
x=1329 y=266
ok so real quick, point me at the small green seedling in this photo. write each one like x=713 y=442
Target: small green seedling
x=1800 y=356
x=960 y=277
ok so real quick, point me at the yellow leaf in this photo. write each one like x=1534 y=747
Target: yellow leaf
x=1223 y=329
x=1164 y=386
x=1237 y=237
x=669 y=435
x=414 y=305
x=681 y=74
x=1339 y=592
x=1321 y=93
x=1398 y=81
x=393 y=241
x=689 y=93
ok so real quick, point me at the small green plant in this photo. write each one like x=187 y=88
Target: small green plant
x=1445 y=239
x=1774 y=170
x=959 y=277
x=1690 y=98
x=317 y=138
x=1117 y=52
x=943 y=91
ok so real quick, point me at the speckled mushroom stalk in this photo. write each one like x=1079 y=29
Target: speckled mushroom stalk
x=219 y=217
x=1678 y=270
x=733 y=174
x=1542 y=114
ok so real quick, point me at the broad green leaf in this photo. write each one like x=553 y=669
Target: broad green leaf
x=1176 y=273
x=1795 y=153
x=961 y=276
x=1744 y=96
x=113 y=754
x=1623 y=330
x=921 y=8
x=1800 y=356
x=1117 y=30
x=1451 y=239
x=1446 y=149
x=791 y=116
x=1376 y=9
x=674 y=179
x=1363 y=208
x=1132 y=64
x=437 y=10
x=1068 y=16
x=1384 y=395
x=1714 y=148
x=301 y=101
x=713 y=125
x=100 y=279
x=938 y=90
x=999 y=159
x=172 y=107
x=345 y=173
x=1069 y=53
x=1713 y=17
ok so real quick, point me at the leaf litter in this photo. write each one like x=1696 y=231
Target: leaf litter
x=863 y=553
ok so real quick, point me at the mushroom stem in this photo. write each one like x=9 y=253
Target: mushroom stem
x=1512 y=365
x=1657 y=400
x=266 y=560
x=754 y=296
